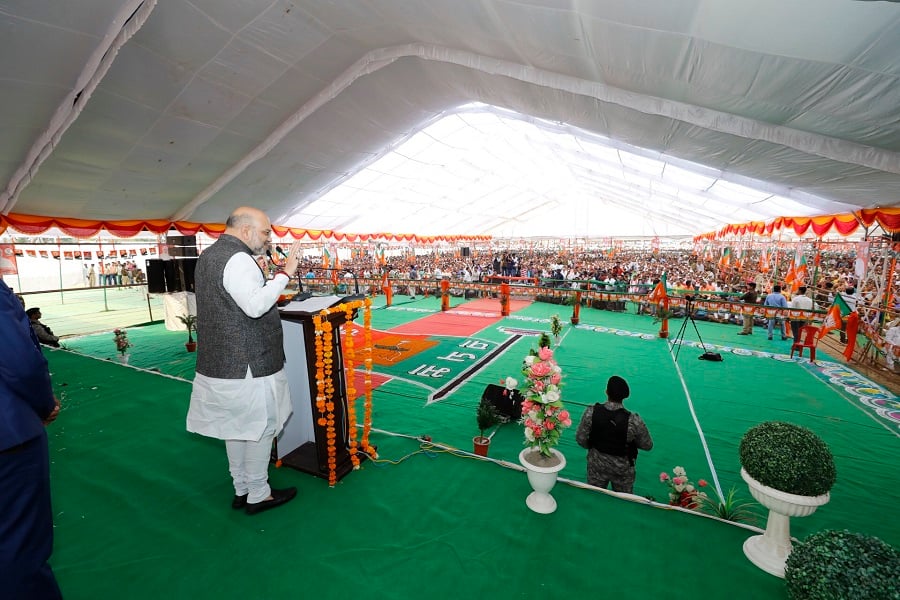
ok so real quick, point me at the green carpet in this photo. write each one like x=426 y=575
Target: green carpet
x=142 y=506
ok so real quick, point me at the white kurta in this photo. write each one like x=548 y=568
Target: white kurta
x=235 y=409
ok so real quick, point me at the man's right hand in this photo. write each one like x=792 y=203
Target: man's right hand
x=53 y=413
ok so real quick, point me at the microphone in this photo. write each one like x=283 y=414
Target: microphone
x=281 y=252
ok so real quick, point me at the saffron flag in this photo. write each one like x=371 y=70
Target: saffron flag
x=802 y=274
x=835 y=316
x=659 y=292
x=326 y=257
x=725 y=260
x=791 y=275
x=764 y=261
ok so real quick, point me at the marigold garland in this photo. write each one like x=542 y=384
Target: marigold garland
x=367 y=403
x=324 y=344
x=349 y=367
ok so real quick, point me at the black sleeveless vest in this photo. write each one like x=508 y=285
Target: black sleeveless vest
x=609 y=432
x=230 y=341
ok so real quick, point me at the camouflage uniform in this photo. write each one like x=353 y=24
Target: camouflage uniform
x=605 y=468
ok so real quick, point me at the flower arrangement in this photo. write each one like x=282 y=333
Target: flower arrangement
x=543 y=413
x=682 y=492
x=121 y=339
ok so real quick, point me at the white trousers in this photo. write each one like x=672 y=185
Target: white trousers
x=248 y=461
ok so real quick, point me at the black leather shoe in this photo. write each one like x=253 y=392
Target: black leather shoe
x=279 y=497
x=239 y=502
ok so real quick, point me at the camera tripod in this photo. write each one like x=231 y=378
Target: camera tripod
x=678 y=340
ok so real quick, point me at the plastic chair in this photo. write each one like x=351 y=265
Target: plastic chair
x=807 y=339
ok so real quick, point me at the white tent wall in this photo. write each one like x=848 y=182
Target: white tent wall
x=211 y=104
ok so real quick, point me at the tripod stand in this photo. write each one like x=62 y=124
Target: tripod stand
x=679 y=337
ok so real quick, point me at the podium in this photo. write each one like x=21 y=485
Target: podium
x=302 y=444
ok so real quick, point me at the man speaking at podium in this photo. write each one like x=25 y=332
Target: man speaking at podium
x=240 y=391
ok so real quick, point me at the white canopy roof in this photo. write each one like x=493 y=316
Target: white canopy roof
x=500 y=117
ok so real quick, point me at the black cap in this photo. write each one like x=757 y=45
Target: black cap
x=617 y=389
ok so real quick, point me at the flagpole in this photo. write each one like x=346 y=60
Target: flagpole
x=62 y=298
x=816 y=260
x=777 y=251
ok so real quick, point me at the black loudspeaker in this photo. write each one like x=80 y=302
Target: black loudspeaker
x=185 y=272
x=180 y=274
x=182 y=245
x=895 y=237
x=156 y=276
x=170 y=275
x=507 y=402
x=465 y=251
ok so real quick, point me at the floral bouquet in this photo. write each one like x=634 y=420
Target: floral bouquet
x=121 y=339
x=543 y=414
x=682 y=491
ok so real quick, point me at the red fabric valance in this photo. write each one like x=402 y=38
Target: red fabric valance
x=844 y=224
x=81 y=228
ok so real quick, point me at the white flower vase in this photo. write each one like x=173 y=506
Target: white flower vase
x=542 y=480
x=770 y=550
x=123 y=358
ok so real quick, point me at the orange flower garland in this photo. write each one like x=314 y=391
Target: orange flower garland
x=367 y=404
x=324 y=344
x=349 y=367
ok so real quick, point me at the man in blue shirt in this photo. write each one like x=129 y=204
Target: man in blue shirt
x=778 y=300
x=27 y=404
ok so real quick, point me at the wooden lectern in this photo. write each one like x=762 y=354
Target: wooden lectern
x=302 y=443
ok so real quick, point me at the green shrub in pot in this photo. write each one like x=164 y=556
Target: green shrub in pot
x=836 y=565
x=788 y=457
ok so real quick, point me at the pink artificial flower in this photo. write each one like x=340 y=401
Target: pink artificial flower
x=538 y=386
x=540 y=369
x=545 y=353
x=564 y=415
x=549 y=425
x=566 y=422
x=678 y=480
x=663 y=476
x=549 y=411
x=702 y=482
x=526 y=406
x=555 y=378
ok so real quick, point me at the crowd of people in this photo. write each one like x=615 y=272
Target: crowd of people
x=113 y=273
x=636 y=272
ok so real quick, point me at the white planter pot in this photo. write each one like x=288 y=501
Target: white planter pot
x=542 y=480
x=123 y=358
x=770 y=550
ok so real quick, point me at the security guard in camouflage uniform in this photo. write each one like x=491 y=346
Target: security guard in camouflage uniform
x=613 y=437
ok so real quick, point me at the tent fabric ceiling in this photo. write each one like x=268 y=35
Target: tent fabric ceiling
x=186 y=109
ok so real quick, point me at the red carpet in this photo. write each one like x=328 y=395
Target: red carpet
x=463 y=320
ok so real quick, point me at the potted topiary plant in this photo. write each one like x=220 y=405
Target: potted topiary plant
x=486 y=416
x=832 y=565
x=790 y=471
x=190 y=321
x=543 y=340
x=555 y=328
